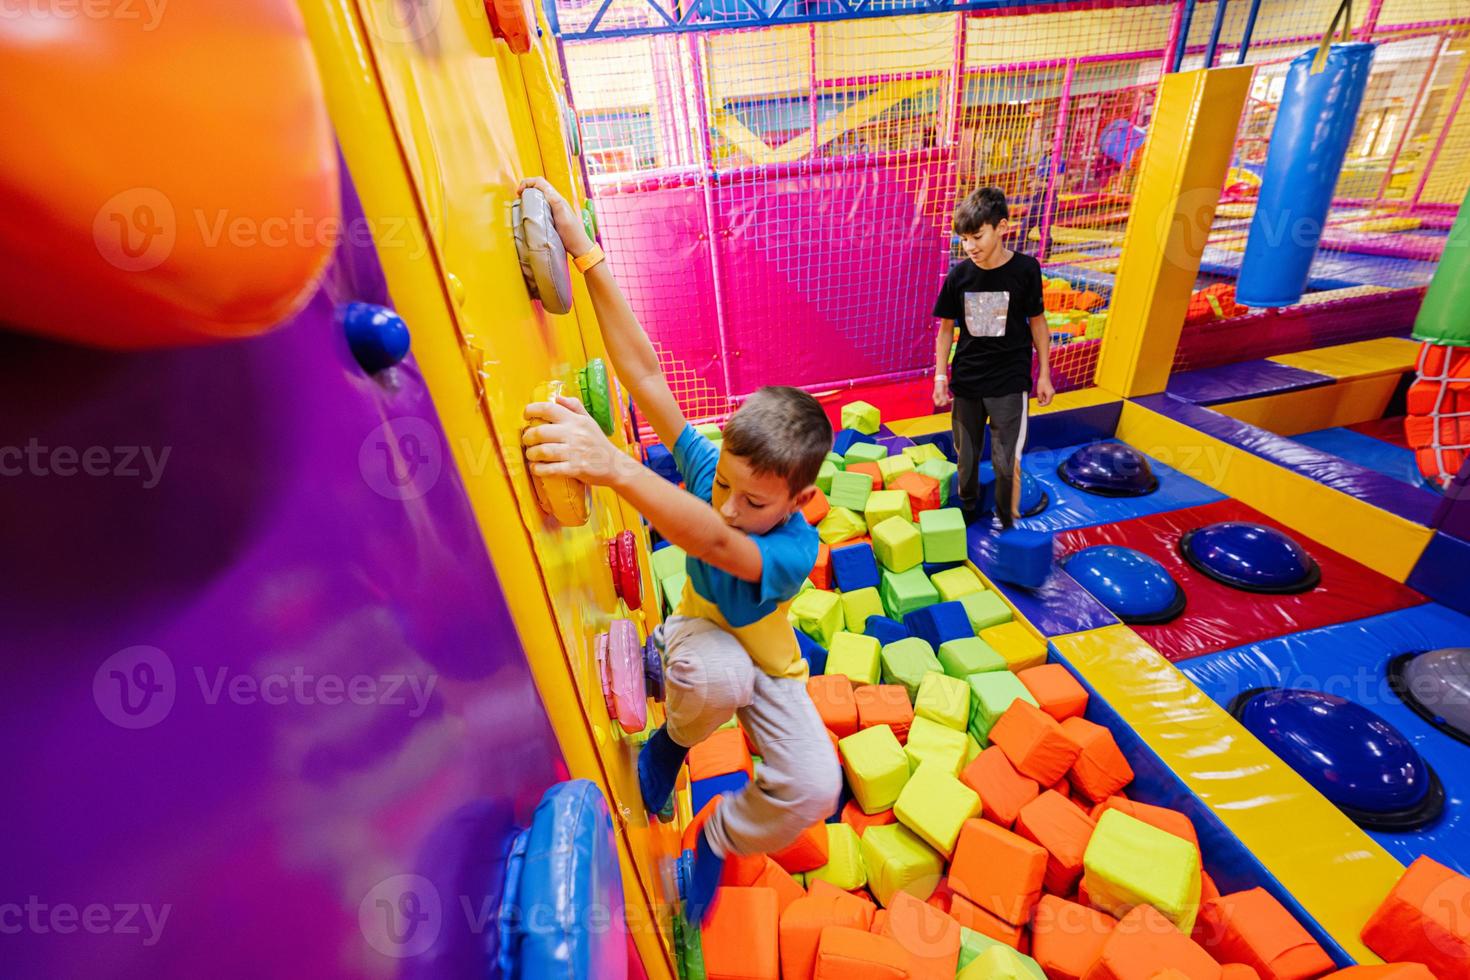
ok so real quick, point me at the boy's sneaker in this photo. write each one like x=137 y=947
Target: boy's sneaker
x=703 y=883
x=973 y=513
x=658 y=770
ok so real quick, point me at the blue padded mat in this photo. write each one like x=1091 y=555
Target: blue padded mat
x=1061 y=605
x=1348 y=660
x=1366 y=451
x=1241 y=380
x=1332 y=270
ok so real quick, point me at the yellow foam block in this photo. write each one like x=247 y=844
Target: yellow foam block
x=955 y=582
x=841 y=525
x=944 y=699
x=858 y=605
x=933 y=744
x=894 y=466
x=935 y=805
x=883 y=504
x=1129 y=862
x=923 y=453
x=855 y=656
x=898 y=860
x=844 y=867
x=1017 y=644
x=877 y=768
x=818 y=614
x=862 y=417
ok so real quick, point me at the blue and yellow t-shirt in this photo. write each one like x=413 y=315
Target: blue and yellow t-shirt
x=754 y=612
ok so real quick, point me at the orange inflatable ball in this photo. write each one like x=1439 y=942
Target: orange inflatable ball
x=177 y=180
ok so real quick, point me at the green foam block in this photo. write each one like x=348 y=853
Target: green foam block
x=841 y=525
x=1129 y=862
x=818 y=614
x=943 y=535
x=844 y=867
x=855 y=656
x=932 y=744
x=944 y=699
x=906 y=662
x=862 y=416
x=883 y=504
x=876 y=767
x=837 y=461
x=969 y=655
x=898 y=860
x=903 y=592
x=858 y=605
x=898 y=545
x=953 y=583
x=935 y=805
x=824 y=477
x=710 y=431
x=669 y=561
x=850 y=490
x=991 y=693
x=942 y=470
x=925 y=452
x=673 y=589
x=864 y=452
x=985 y=609
x=983 y=958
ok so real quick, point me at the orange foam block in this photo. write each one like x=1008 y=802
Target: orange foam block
x=740 y=937
x=1034 y=742
x=808 y=851
x=722 y=753
x=1003 y=791
x=1055 y=690
x=1067 y=938
x=1145 y=945
x=1253 y=928
x=1167 y=820
x=923 y=491
x=804 y=919
x=976 y=919
x=929 y=937
x=854 y=817
x=999 y=871
x=872 y=470
x=1101 y=768
x=885 y=704
x=1237 y=971
x=1425 y=919
x=1057 y=825
x=821 y=575
x=836 y=705
x=1387 y=971
x=854 y=954
x=816 y=508
x=778 y=880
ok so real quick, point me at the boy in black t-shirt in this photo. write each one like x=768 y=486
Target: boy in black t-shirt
x=995 y=298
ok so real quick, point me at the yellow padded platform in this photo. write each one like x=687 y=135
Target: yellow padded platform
x=1309 y=409
x=1256 y=795
x=1363 y=359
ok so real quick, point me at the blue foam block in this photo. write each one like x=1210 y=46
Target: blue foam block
x=701 y=791
x=846 y=437
x=939 y=623
x=812 y=652
x=944 y=441
x=661 y=461
x=1023 y=557
x=1059 y=606
x=659 y=545
x=885 y=630
x=842 y=799
x=854 y=567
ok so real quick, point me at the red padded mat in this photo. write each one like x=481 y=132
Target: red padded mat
x=1390 y=430
x=1218 y=617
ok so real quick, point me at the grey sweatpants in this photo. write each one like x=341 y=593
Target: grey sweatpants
x=709 y=677
x=1007 y=416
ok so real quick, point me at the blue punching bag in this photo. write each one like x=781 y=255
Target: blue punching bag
x=1308 y=143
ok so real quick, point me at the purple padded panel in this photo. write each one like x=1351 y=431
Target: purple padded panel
x=1246 y=379
x=265 y=685
x=1394 y=496
x=1453 y=515
x=1440 y=572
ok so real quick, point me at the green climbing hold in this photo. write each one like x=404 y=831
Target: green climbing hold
x=597 y=393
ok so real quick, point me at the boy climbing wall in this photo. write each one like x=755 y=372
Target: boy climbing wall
x=995 y=298
x=728 y=648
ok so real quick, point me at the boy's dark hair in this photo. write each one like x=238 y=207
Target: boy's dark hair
x=982 y=206
x=783 y=431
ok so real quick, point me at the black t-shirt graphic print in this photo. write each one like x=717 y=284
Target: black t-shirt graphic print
x=993 y=308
